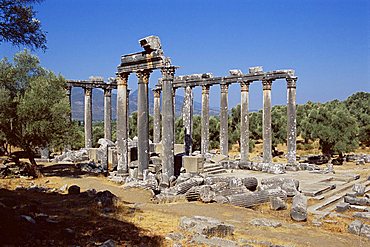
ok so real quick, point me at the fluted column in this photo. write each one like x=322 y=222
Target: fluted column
x=244 y=124
x=88 y=117
x=205 y=120
x=143 y=121
x=292 y=122
x=168 y=121
x=187 y=118
x=266 y=121
x=122 y=167
x=174 y=113
x=224 y=137
x=108 y=113
x=157 y=116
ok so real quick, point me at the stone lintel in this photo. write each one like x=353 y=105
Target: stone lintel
x=142 y=61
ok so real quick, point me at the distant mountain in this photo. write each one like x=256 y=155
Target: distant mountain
x=98 y=104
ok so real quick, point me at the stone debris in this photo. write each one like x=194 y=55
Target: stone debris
x=359 y=189
x=341 y=207
x=276 y=203
x=363 y=215
x=252 y=199
x=273 y=168
x=359 y=228
x=28 y=218
x=175 y=236
x=357 y=201
x=108 y=243
x=290 y=186
x=265 y=222
x=214 y=241
x=72 y=156
x=299 y=208
x=358 y=158
x=206 y=226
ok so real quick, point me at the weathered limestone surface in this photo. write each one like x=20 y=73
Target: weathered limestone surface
x=108 y=114
x=292 y=122
x=206 y=226
x=244 y=124
x=266 y=121
x=122 y=120
x=143 y=120
x=265 y=222
x=224 y=115
x=205 y=120
x=299 y=208
x=88 y=117
x=187 y=116
x=168 y=121
x=157 y=117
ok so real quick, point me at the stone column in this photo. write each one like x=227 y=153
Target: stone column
x=108 y=113
x=122 y=167
x=292 y=122
x=266 y=121
x=174 y=114
x=128 y=112
x=168 y=121
x=224 y=117
x=143 y=121
x=205 y=120
x=187 y=118
x=157 y=116
x=244 y=124
x=69 y=95
x=88 y=117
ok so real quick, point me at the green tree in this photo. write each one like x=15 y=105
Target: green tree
x=278 y=125
x=18 y=24
x=334 y=126
x=34 y=109
x=358 y=105
x=214 y=132
x=234 y=125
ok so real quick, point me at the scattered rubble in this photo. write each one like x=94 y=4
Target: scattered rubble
x=206 y=226
x=265 y=222
x=359 y=228
x=299 y=208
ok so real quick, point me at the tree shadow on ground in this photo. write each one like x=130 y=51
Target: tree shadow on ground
x=61 y=220
x=65 y=170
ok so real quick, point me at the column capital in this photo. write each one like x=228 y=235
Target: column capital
x=107 y=92
x=291 y=82
x=168 y=72
x=224 y=88
x=143 y=76
x=157 y=93
x=88 y=91
x=122 y=78
x=244 y=86
x=205 y=89
x=266 y=84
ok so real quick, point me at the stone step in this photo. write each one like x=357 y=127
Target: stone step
x=329 y=203
x=211 y=165
x=218 y=171
x=209 y=169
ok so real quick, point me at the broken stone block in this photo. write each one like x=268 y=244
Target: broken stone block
x=74 y=190
x=215 y=241
x=299 y=208
x=206 y=194
x=251 y=199
x=218 y=158
x=363 y=215
x=175 y=236
x=193 y=164
x=182 y=188
x=265 y=222
x=277 y=203
x=357 y=201
x=206 y=226
x=355 y=227
x=341 y=207
x=359 y=189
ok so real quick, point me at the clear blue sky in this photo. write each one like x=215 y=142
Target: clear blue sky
x=327 y=42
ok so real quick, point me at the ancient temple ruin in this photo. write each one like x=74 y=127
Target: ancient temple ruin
x=152 y=58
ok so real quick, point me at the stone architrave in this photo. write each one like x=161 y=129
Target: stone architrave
x=187 y=116
x=292 y=121
x=88 y=117
x=157 y=116
x=205 y=120
x=122 y=133
x=266 y=121
x=224 y=115
x=143 y=121
x=108 y=113
x=244 y=124
x=168 y=120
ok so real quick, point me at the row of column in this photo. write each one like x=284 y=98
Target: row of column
x=143 y=121
x=244 y=125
